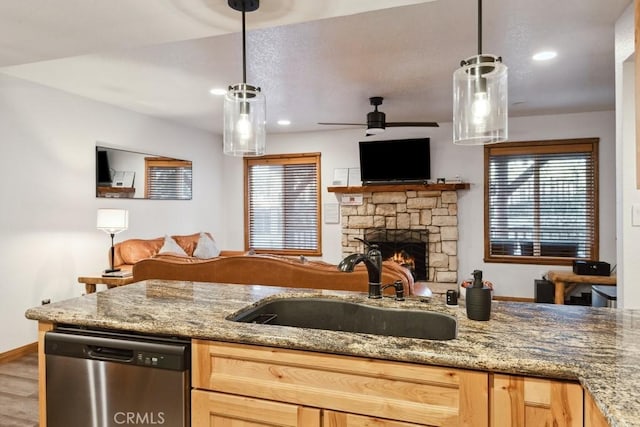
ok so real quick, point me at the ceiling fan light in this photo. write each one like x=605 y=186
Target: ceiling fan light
x=374 y=131
x=244 y=121
x=480 y=106
x=376 y=120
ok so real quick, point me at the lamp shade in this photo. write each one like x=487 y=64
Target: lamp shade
x=244 y=121
x=112 y=221
x=480 y=107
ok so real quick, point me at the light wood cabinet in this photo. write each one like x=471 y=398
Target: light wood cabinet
x=245 y=385
x=352 y=391
x=592 y=415
x=526 y=402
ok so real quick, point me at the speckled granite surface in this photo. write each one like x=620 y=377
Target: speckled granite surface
x=599 y=347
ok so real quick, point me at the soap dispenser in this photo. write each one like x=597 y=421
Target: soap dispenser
x=478 y=299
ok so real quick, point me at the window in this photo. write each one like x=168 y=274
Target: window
x=167 y=179
x=282 y=203
x=541 y=201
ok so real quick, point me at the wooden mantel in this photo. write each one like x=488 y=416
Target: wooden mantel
x=400 y=187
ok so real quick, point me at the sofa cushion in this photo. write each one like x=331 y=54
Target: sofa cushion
x=171 y=246
x=206 y=247
x=188 y=242
x=134 y=250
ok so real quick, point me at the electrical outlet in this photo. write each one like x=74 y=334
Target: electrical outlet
x=46 y=301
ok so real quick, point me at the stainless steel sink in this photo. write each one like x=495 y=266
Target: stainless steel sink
x=338 y=315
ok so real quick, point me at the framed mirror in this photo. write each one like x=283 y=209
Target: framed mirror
x=133 y=175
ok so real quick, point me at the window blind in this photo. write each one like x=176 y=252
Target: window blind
x=283 y=204
x=168 y=180
x=542 y=201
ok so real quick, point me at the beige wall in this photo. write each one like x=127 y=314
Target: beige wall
x=47 y=185
x=627 y=193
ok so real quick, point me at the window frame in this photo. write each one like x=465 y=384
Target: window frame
x=284 y=159
x=579 y=145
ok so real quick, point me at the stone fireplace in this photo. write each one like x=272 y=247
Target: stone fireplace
x=434 y=213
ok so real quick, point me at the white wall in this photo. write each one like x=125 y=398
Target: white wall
x=340 y=150
x=628 y=244
x=47 y=186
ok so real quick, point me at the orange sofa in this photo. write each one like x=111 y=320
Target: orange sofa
x=129 y=252
x=142 y=257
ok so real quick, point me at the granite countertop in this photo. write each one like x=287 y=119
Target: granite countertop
x=599 y=347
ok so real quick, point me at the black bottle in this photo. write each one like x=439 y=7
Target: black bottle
x=478 y=299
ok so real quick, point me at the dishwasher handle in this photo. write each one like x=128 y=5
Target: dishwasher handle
x=109 y=354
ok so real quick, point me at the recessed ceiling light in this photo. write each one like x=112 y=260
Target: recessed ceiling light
x=284 y=122
x=545 y=55
x=218 y=91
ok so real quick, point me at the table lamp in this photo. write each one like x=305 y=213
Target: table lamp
x=112 y=222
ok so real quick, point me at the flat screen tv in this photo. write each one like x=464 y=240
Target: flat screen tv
x=395 y=161
x=103 y=171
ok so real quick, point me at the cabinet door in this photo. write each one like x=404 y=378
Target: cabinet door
x=209 y=409
x=528 y=402
x=343 y=419
x=592 y=415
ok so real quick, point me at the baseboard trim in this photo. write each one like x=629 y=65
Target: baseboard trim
x=19 y=352
x=513 y=299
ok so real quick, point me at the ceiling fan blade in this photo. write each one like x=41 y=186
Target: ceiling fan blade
x=412 y=124
x=344 y=124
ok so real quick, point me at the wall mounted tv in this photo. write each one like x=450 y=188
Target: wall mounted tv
x=395 y=161
x=103 y=171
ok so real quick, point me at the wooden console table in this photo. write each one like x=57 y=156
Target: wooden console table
x=90 y=282
x=563 y=280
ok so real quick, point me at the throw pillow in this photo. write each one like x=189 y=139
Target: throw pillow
x=171 y=246
x=206 y=248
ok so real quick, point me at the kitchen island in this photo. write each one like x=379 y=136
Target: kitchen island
x=597 y=347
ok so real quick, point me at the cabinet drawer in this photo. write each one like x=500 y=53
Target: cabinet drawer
x=214 y=409
x=398 y=391
x=343 y=419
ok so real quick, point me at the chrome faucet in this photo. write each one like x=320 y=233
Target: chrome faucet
x=373 y=261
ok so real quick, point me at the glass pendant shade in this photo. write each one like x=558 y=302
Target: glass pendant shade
x=480 y=107
x=244 y=121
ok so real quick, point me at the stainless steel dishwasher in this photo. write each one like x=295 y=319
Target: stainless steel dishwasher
x=105 y=379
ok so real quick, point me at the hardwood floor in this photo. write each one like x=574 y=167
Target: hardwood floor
x=19 y=392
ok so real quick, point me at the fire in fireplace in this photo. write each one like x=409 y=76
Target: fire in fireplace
x=408 y=248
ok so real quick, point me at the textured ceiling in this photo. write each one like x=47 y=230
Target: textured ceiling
x=313 y=64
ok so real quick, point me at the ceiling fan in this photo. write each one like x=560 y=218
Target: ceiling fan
x=376 y=121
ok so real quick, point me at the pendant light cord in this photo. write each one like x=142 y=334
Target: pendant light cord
x=479 y=27
x=244 y=49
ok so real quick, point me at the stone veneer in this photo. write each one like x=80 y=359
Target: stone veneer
x=435 y=211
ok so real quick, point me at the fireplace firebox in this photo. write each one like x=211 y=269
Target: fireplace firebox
x=408 y=248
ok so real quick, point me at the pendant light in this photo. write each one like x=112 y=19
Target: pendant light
x=244 y=104
x=480 y=106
